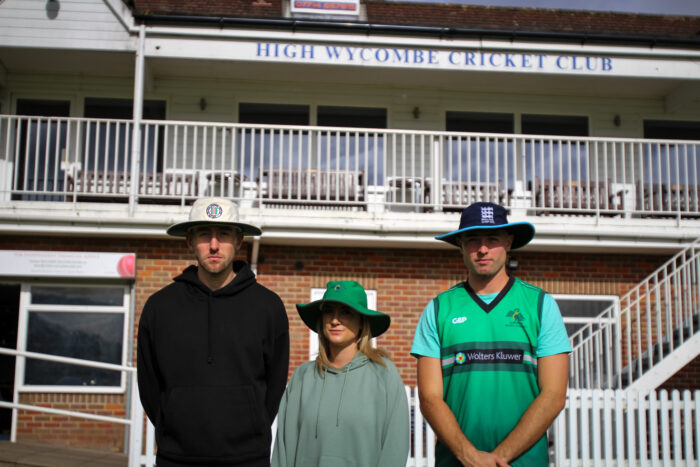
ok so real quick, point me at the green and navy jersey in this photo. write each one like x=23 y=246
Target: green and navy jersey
x=488 y=347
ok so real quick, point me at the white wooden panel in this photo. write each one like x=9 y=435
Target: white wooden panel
x=39 y=23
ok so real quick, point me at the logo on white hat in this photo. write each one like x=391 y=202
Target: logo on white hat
x=214 y=211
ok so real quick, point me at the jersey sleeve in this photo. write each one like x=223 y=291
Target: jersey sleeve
x=552 y=339
x=426 y=342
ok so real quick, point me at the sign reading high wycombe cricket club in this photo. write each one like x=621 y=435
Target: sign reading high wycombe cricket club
x=446 y=57
x=77 y=264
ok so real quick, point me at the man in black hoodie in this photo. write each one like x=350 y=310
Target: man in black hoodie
x=213 y=350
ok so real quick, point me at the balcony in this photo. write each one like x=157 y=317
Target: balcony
x=73 y=160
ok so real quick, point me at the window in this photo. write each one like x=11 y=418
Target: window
x=554 y=125
x=479 y=122
x=40 y=140
x=107 y=144
x=671 y=129
x=355 y=117
x=341 y=150
x=478 y=162
x=668 y=165
x=579 y=310
x=560 y=160
x=317 y=294
x=88 y=322
x=263 y=149
x=273 y=114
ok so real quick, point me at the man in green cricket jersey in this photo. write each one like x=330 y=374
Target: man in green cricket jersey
x=492 y=353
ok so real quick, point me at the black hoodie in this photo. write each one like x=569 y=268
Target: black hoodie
x=212 y=367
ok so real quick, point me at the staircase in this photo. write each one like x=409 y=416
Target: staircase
x=654 y=335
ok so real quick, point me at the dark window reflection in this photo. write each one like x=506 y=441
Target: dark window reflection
x=99 y=296
x=89 y=336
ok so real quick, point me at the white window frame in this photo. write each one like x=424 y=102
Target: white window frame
x=27 y=307
x=614 y=299
x=317 y=294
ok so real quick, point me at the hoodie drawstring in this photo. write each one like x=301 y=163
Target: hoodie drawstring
x=318 y=411
x=340 y=402
x=210 y=357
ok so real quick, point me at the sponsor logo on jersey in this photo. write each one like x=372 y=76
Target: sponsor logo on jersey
x=459 y=320
x=514 y=318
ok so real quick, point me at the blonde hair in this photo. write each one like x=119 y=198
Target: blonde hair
x=364 y=344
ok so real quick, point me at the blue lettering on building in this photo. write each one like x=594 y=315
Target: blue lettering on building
x=434 y=58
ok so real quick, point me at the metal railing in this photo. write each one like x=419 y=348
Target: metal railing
x=81 y=159
x=134 y=419
x=656 y=317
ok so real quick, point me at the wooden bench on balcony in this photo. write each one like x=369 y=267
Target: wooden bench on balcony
x=313 y=187
x=114 y=186
x=575 y=197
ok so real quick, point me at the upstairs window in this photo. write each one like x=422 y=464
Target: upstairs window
x=554 y=125
x=479 y=122
x=558 y=160
x=273 y=114
x=355 y=117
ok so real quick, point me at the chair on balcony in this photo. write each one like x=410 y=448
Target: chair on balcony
x=114 y=186
x=456 y=195
x=313 y=187
x=668 y=200
x=574 y=197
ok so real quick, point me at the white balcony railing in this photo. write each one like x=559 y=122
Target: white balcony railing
x=77 y=159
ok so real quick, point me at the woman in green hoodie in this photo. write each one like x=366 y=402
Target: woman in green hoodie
x=349 y=407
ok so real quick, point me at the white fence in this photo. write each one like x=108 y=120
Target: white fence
x=81 y=159
x=610 y=428
x=596 y=428
x=626 y=428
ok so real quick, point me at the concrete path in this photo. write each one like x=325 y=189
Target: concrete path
x=35 y=454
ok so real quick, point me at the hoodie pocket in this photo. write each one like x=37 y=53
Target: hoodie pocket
x=215 y=422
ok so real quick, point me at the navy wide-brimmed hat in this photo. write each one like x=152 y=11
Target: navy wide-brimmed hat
x=480 y=216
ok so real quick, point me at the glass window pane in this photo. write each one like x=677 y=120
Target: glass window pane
x=357 y=117
x=99 y=296
x=582 y=308
x=562 y=125
x=480 y=122
x=89 y=336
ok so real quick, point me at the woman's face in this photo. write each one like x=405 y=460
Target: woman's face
x=341 y=325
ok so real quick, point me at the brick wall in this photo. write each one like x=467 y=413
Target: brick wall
x=72 y=431
x=687 y=378
x=405 y=280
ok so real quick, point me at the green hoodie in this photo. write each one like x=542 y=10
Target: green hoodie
x=353 y=416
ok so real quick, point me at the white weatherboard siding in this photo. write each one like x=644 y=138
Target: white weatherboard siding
x=581 y=63
x=76 y=24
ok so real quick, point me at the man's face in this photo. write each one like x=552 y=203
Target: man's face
x=214 y=247
x=485 y=251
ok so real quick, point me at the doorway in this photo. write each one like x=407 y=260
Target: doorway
x=9 y=314
x=40 y=140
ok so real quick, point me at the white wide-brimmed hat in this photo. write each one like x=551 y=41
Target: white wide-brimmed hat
x=213 y=211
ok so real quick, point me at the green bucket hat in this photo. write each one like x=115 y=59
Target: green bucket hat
x=348 y=293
